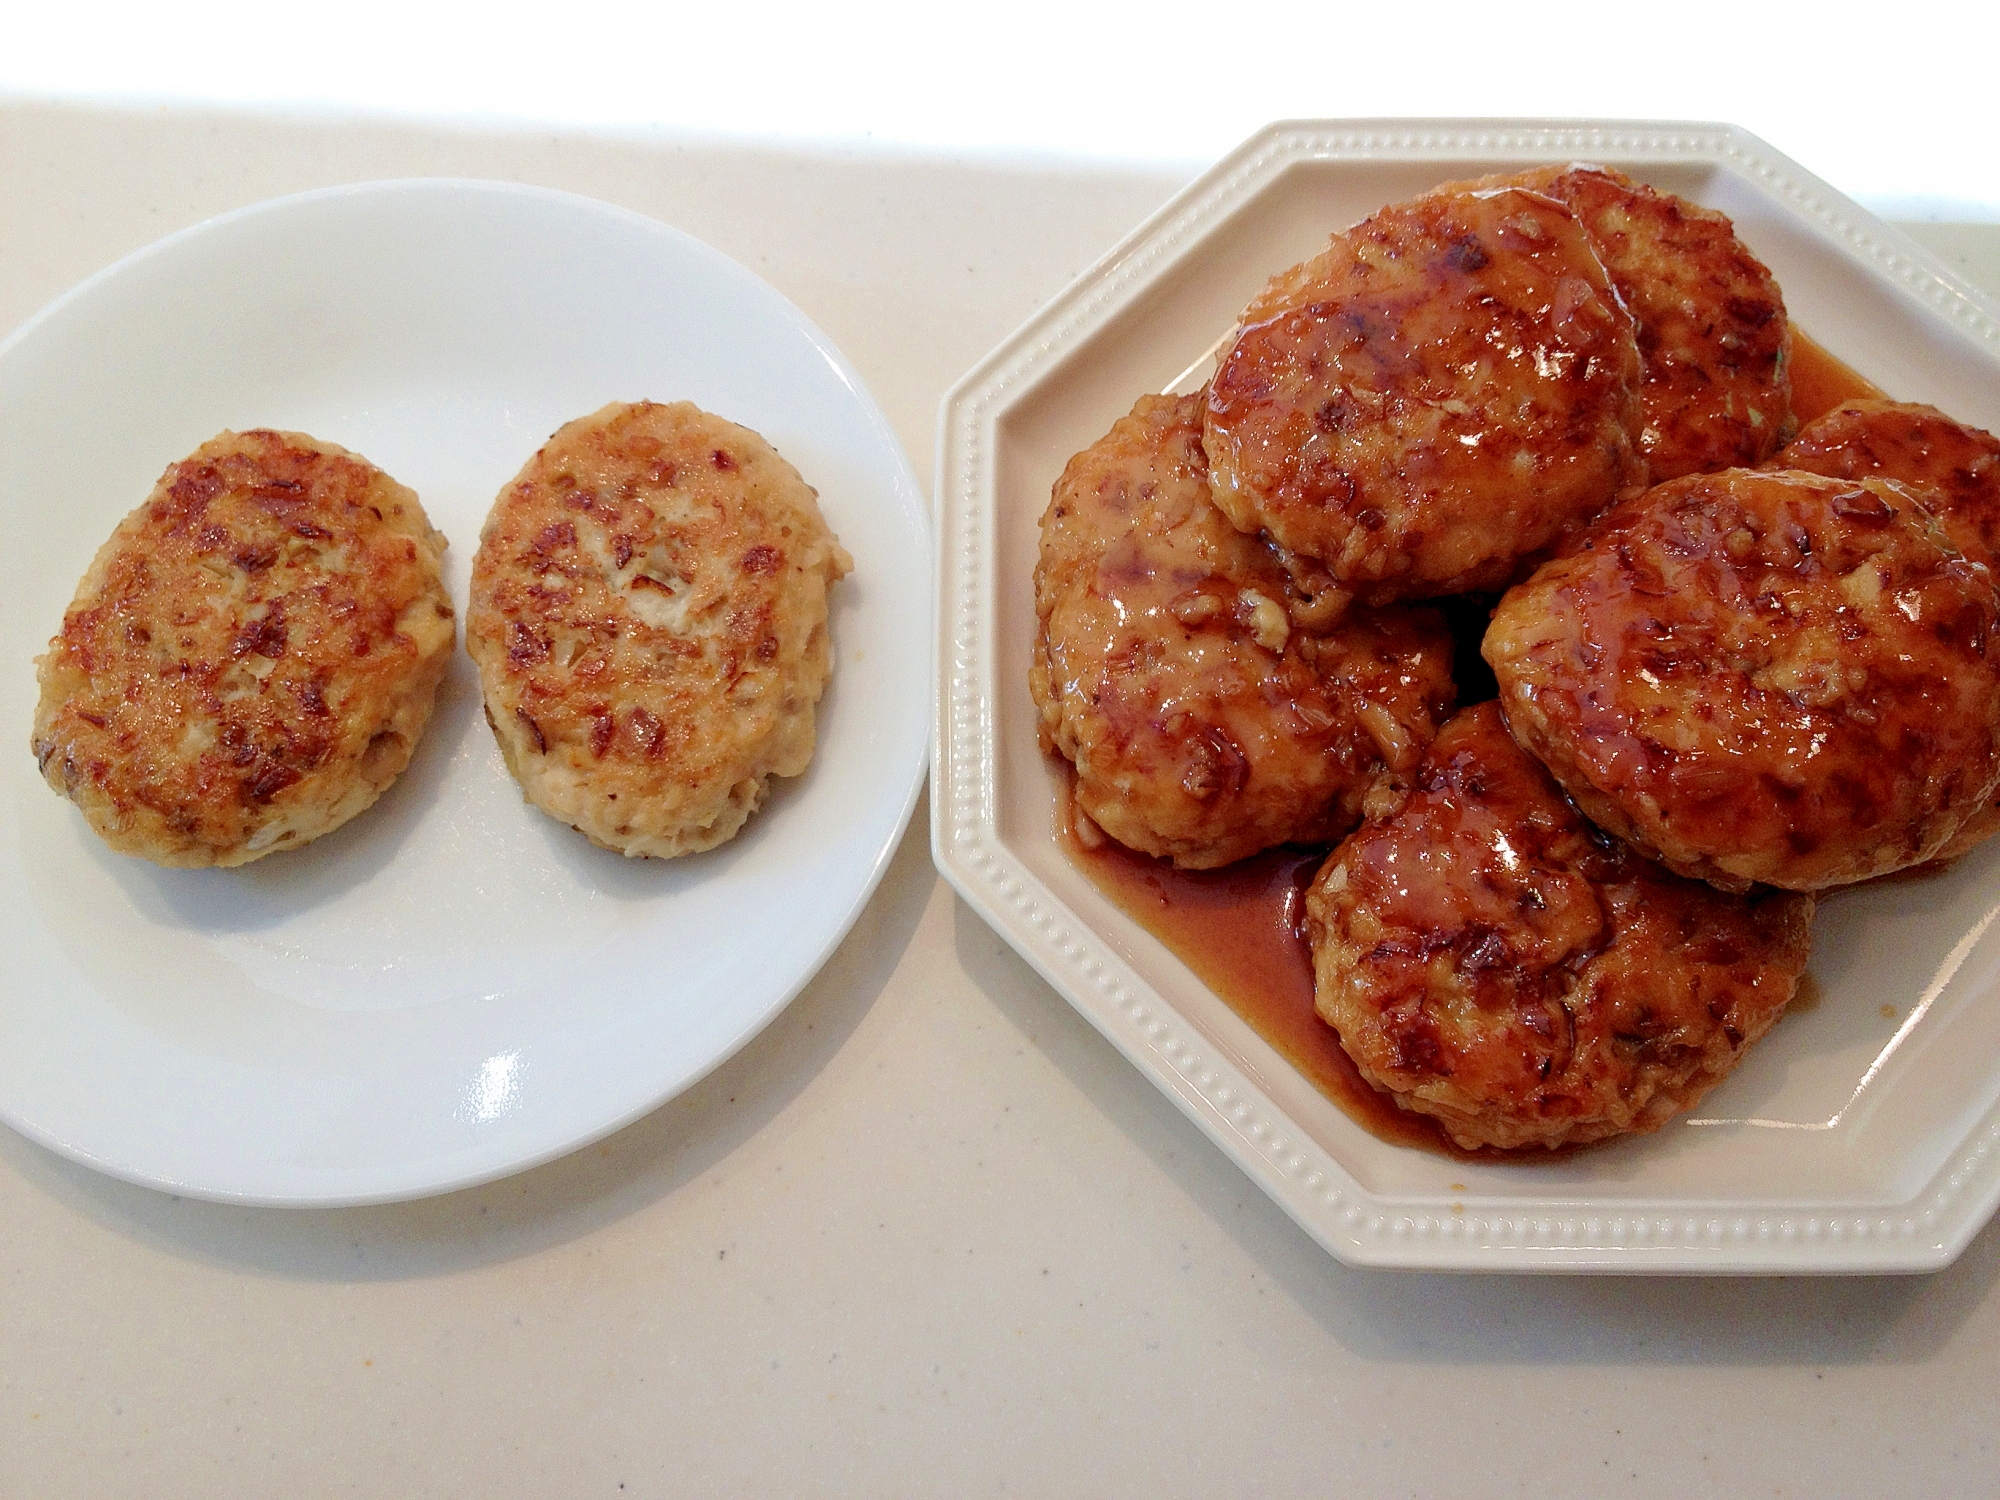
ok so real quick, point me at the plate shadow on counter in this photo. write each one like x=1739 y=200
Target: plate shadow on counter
x=546 y=1206
x=1416 y=1317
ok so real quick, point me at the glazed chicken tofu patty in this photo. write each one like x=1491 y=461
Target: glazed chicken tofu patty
x=1445 y=390
x=1761 y=676
x=252 y=656
x=1954 y=469
x=1713 y=336
x=649 y=616
x=1202 y=725
x=1490 y=959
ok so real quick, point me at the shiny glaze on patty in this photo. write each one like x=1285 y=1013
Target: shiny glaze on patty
x=1713 y=335
x=1955 y=470
x=1761 y=676
x=1492 y=960
x=1445 y=390
x=1203 y=725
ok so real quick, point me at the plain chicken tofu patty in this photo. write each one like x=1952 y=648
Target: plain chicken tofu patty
x=252 y=656
x=649 y=616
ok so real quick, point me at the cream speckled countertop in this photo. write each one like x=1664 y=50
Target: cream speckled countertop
x=928 y=1234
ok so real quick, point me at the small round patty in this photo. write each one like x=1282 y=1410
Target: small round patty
x=1493 y=961
x=1761 y=676
x=1447 y=389
x=252 y=656
x=1202 y=724
x=649 y=617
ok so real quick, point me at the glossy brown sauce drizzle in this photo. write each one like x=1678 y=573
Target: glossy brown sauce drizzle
x=1239 y=931
x=1820 y=382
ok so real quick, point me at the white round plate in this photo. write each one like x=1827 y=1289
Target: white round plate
x=453 y=986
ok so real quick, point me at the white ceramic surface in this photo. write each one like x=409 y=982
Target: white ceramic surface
x=1861 y=1135
x=453 y=986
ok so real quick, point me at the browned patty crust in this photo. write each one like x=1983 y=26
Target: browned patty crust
x=1761 y=676
x=1713 y=335
x=649 y=615
x=251 y=657
x=1203 y=726
x=1445 y=390
x=1491 y=960
x=1955 y=470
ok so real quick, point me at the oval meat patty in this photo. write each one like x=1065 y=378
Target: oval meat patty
x=1493 y=961
x=1761 y=676
x=1203 y=726
x=252 y=656
x=1445 y=390
x=1954 y=467
x=649 y=616
x=1713 y=335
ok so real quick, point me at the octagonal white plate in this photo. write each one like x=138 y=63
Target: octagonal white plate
x=453 y=986
x=1859 y=1136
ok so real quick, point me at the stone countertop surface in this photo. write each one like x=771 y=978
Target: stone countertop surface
x=928 y=1233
